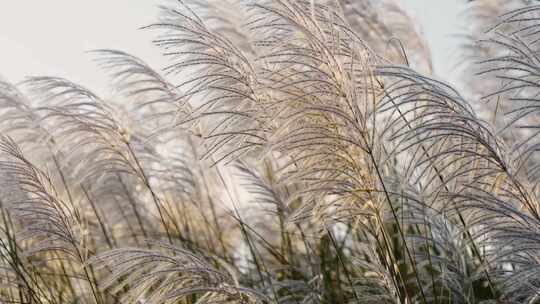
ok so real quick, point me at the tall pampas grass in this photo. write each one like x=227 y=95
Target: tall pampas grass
x=290 y=152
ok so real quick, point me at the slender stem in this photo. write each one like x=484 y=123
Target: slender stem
x=146 y=182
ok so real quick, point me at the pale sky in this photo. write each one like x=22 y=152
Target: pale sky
x=51 y=37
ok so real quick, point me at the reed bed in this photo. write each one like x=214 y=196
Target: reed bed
x=291 y=152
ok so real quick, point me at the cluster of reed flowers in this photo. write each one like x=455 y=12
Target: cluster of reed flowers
x=291 y=152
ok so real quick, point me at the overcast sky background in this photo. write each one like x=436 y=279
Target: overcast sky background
x=51 y=37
